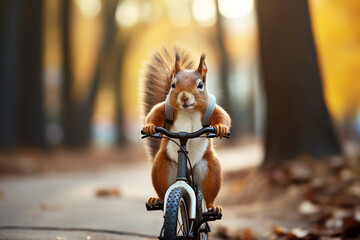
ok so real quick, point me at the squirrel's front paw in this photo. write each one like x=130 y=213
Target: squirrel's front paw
x=217 y=209
x=152 y=201
x=221 y=130
x=149 y=128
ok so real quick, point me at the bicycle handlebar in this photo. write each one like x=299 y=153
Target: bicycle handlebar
x=211 y=130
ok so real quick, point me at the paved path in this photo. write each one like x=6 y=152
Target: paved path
x=69 y=200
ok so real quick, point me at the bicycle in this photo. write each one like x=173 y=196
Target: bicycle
x=184 y=215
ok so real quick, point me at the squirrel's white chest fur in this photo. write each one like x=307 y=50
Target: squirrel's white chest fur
x=189 y=121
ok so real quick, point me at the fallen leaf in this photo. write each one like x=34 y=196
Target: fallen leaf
x=307 y=207
x=47 y=207
x=107 y=192
x=248 y=235
x=278 y=230
x=357 y=214
x=346 y=175
x=298 y=233
x=300 y=173
x=354 y=190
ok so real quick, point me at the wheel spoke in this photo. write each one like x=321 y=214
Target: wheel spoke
x=179 y=228
x=182 y=219
x=180 y=223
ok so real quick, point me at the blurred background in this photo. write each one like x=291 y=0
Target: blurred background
x=288 y=73
x=70 y=69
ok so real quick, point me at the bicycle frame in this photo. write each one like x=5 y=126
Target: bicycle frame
x=181 y=177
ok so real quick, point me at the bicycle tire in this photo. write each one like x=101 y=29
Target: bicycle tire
x=176 y=220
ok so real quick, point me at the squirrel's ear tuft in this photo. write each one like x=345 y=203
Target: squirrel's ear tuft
x=202 y=69
x=177 y=64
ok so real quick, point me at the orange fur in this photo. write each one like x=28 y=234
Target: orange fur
x=221 y=120
x=159 y=173
x=156 y=117
x=212 y=182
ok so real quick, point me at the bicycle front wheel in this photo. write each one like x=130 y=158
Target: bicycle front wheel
x=176 y=220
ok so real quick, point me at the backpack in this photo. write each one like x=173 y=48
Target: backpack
x=205 y=120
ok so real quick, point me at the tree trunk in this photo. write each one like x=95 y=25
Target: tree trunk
x=11 y=12
x=67 y=103
x=298 y=121
x=225 y=68
x=30 y=91
x=104 y=58
x=21 y=88
x=77 y=115
x=117 y=80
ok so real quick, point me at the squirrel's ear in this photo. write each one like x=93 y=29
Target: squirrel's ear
x=177 y=64
x=202 y=69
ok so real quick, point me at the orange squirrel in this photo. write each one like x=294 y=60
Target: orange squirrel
x=188 y=97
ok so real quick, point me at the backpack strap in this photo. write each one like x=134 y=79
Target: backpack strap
x=205 y=120
x=169 y=113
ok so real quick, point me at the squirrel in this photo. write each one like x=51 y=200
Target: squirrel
x=188 y=97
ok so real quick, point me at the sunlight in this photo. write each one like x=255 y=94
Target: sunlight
x=235 y=8
x=127 y=14
x=145 y=9
x=89 y=8
x=204 y=12
x=179 y=14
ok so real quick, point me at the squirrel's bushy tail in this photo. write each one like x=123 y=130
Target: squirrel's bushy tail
x=156 y=83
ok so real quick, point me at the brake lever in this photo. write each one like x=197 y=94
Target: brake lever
x=145 y=136
x=156 y=135
x=213 y=135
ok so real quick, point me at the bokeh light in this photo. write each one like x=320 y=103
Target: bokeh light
x=89 y=8
x=179 y=13
x=127 y=14
x=146 y=12
x=204 y=12
x=235 y=8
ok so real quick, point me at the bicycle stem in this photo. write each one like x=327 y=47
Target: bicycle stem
x=182 y=158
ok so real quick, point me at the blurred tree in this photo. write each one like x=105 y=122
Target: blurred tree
x=115 y=57
x=336 y=27
x=116 y=60
x=68 y=105
x=30 y=105
x=21 y=87
x=121 y=49
x=77 y=115
x=119 y=57
x=225 y=66
x=11 y=12
x=297 y=120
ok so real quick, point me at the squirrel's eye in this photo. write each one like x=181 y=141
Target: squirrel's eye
x=173 y=85
x=200 y=85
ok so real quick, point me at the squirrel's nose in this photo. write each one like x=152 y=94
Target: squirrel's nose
x=184 y=98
